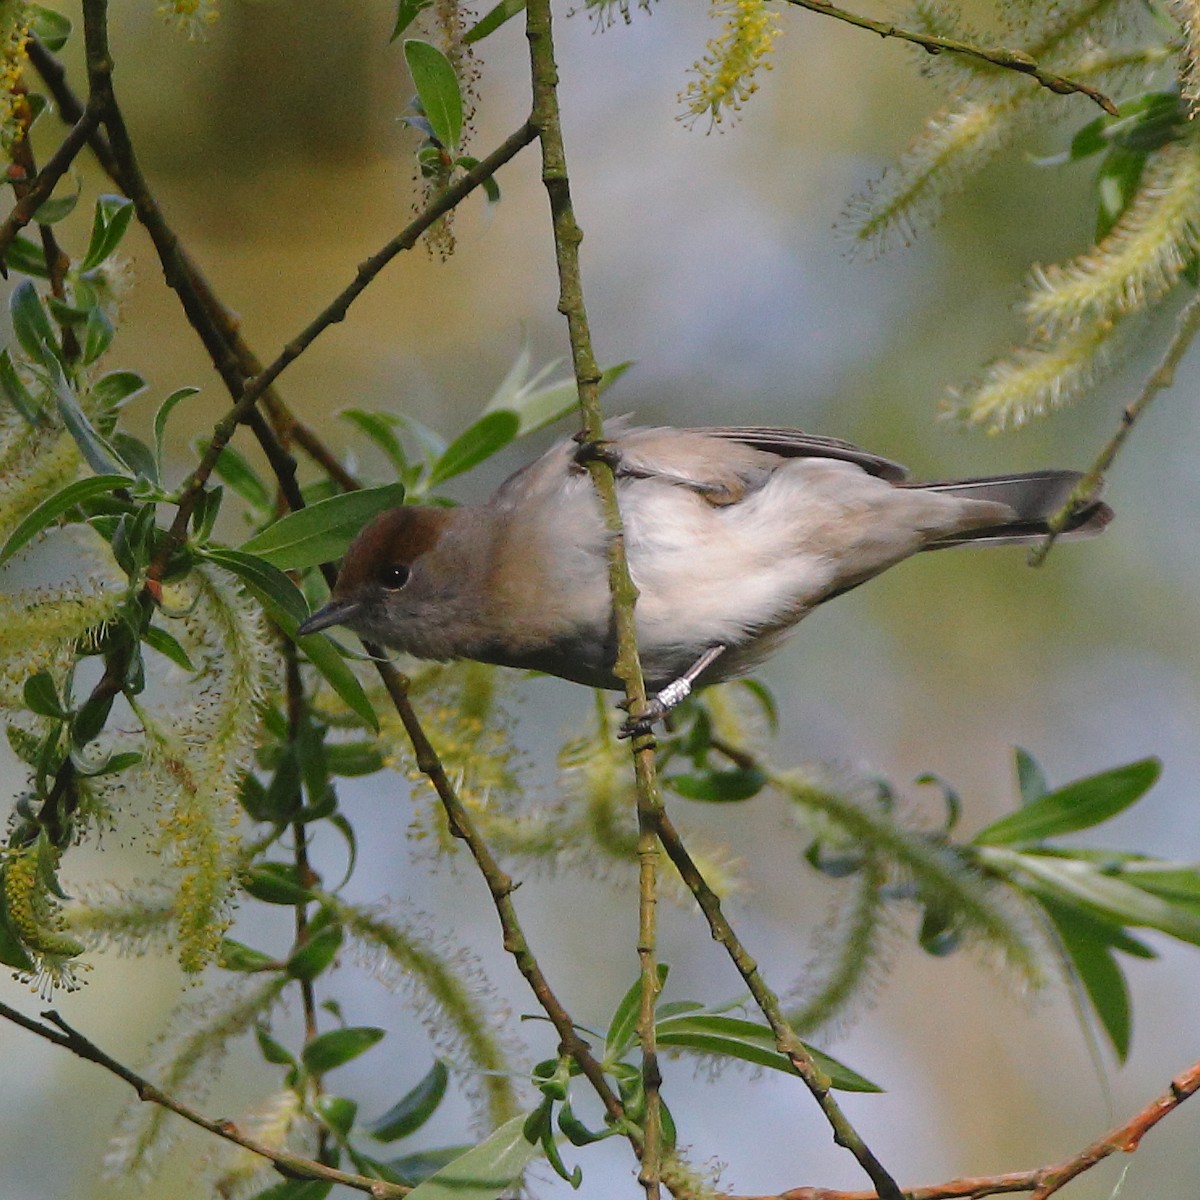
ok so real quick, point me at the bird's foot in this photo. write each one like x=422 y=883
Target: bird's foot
x=656 y=709
x=596 y=450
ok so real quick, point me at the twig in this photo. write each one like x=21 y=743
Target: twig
x=253 y=388
x=501 y=887
x=292 y=1166
x=47 y=178
x=545 y=118
x=1043 y=1181
x=188 y=278
x=1161 y=378
x=1011 y=60
x=844 y=1134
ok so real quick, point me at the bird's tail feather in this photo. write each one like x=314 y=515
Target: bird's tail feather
x=1034 y=498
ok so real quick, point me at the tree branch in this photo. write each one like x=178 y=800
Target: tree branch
x=545 y=118
x=292 y=1166
x=1161 y=378
x=47 y=178
x=786 y=1040
x=1011 y=60
x=1043 y=1181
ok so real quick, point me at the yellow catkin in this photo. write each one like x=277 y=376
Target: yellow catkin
x=1140 y=260
x=14 y=41
x=725 y=75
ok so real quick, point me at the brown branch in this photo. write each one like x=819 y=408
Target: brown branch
x=249 y=392
x=501 y=887
x=292 y=1166
x=39 y=189
x=786 y=1040
x=1043 y=1181
x=545 y=118
x=1161 y=378
x=1010 y=60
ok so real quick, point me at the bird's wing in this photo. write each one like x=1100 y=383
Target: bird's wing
x=792 y=443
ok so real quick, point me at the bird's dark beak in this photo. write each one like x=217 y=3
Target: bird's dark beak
x=336 y=612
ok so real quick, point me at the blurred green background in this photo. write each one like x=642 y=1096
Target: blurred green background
x=711 y=261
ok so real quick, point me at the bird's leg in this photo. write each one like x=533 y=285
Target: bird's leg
x=678 y=690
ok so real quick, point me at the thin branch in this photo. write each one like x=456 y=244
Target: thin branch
x=1043 y=1181
x=545 y=118
x=249 y=392
x=1011 y=60
x=47 y=178
x=786 y=1040
x=292 y=1166
x=1161 y=378
x=501 y=887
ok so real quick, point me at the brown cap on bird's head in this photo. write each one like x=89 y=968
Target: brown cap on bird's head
x=382 y=553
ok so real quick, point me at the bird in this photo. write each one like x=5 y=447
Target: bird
x=732 y=535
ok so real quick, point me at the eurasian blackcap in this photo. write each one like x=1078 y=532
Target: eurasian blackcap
x=732 y=534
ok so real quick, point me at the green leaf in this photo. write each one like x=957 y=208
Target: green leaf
x=112 y=765
x=275 y=883
x=323 y=655
x=409 y=1113
x=320 y=533
x=136 y=455
x=316 y=954
x=236 y=956
x=407 y=12
x=733 y=1037
x=622 y=1029
x=49 y=27
x=1116 y=184
x=168 y=646
x=1170 y=880
x=412 y=1169
x=26 y=257
x=160 y=421
x=15 y=391
x=339 y=1046
x=490 y=434
x=493 y=19
x=111 y=219
x=55 y=506
x=1031 y=783
x=736 y=783
x=1081 y=883
x=116 y=388
x=485 y=1171
x=437 y=88
x=272 y=1050
x=1078 y=805
x=1087 y=944
x=337 y=1112
x=31 y=325
x=353 y=759
x=98 y=454
x=42 y=697
x=537 y=404
x=279 y=596
x=236 y=471
x=53 y=210
x=766 y=701
x=380 y=428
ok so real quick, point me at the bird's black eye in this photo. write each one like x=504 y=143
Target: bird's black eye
x=394 y=576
